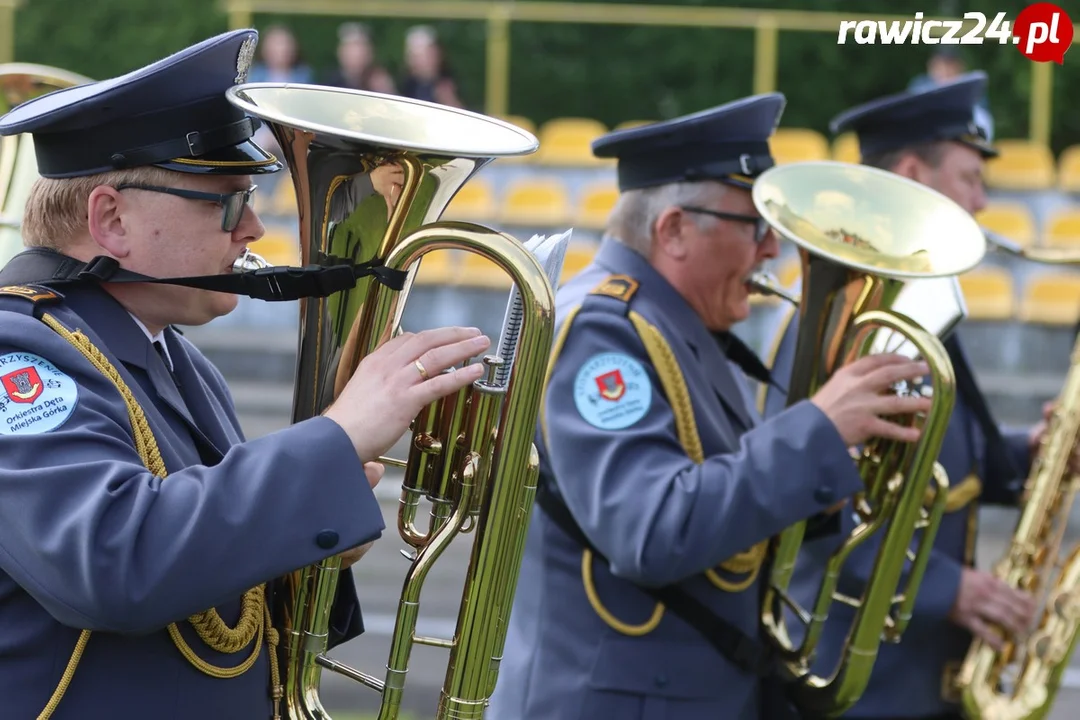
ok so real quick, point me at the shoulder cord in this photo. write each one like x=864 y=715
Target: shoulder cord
x=666 y=366
x=255 y=613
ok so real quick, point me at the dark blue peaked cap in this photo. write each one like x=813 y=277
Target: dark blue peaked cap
x=172 y=114
x=945 y=112
x=729 y=143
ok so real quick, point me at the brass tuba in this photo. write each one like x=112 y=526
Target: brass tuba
x=20 y=82
x=372 y=174
x=1021 y=681
x=863 y=236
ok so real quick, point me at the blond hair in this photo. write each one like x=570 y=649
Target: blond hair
x=56 y=210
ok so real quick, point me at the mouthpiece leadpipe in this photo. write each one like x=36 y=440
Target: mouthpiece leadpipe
x=767 y=284
x=249 y=261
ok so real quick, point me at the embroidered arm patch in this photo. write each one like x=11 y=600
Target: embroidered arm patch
x=612 y=391
x=36 y=397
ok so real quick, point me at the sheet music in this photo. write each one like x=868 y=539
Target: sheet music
x=550 y=251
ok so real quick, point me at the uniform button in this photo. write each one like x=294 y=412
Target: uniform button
x=824 y=494
x=661 y=681
x=327 y=539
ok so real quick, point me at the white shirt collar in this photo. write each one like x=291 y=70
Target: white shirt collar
x=159 y=338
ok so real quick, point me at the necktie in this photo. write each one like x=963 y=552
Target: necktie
x=164 y=355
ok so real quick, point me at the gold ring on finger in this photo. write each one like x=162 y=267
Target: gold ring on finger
x=420 y=366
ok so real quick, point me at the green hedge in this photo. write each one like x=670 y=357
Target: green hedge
x=612 y=73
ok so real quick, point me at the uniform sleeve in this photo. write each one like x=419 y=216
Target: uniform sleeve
x=656 y=515
x=103 y=544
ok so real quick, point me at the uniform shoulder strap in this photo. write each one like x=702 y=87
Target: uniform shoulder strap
x=29 y=299
x=614 y=294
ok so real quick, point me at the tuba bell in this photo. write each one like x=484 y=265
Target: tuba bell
x=20 y=82
x=1021 y=681
x=864 y=235
x=372 y=174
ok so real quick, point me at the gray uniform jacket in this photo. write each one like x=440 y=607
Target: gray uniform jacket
x=612 y=451
x=89 y=539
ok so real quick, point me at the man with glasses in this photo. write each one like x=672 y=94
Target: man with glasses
x=140 y=535
x=640 y=590
x=931 y=137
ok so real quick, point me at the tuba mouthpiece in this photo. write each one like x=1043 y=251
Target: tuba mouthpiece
x=248 y=261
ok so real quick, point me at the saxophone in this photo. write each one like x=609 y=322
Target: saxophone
x=1021 y=681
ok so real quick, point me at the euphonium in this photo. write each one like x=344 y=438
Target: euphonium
x=863 y=235
x=20 y=82
x=1021 y=681
x=372 y=174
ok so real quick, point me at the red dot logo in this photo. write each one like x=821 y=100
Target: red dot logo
x=1043 y=32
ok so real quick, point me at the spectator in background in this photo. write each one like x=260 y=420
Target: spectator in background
x=945 y=65
x=279 y=62
x=280 y=59
x=357 y=68
x=427 y=76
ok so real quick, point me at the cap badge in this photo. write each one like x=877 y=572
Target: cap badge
x=243 y=59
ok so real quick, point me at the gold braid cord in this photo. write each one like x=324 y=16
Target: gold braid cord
x=667 y=367
x=254 y=620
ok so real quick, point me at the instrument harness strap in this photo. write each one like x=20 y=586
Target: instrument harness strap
x=255 y=612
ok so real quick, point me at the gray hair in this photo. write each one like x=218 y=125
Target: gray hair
x=635 y=213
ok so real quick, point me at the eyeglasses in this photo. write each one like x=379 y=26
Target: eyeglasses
x=761 y=228
x=232 y=204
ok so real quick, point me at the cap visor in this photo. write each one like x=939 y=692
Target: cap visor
x=247 y=158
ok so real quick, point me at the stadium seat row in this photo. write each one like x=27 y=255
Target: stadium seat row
x=1023 y=165
x=994 y=294
x=991 y=293
x=547 y=201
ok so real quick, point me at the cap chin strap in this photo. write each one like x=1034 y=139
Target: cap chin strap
x=273 y=283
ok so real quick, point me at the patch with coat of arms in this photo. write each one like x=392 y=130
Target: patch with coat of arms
x=36 y=397
x=612 y=391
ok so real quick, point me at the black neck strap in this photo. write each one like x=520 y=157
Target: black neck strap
x=273 y=283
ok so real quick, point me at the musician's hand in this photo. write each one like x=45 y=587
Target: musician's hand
x=387 y=391
x=350 y=557
x=1038 y=433
x=374 y=471
x=984 y=602
x=857 y=398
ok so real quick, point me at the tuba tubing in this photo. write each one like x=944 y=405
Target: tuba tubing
x=372 y=174
x=863 y=236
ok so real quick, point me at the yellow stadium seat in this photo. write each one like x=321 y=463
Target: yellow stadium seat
x=846 y=148
x=627 y=124
x=595 y=205
x=281 y=202
x=521 y=121
x=577 y=257
x=536 y=202
x=437 y=268
x=989 y=293
x=1012 y=220
x=278 y=247
x=477 y=271
x=568 y=142
x=798 y=145
x=789 y=273
x=475 y=202
x=1063 y=229
x=1022 y=165
x=1052 y=298
x=1069 y=169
